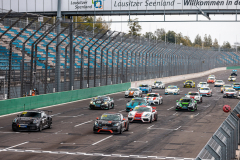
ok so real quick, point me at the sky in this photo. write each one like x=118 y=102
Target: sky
x=222 y=31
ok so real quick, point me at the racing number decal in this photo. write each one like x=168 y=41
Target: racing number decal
x=24 y=112
x=104 y=115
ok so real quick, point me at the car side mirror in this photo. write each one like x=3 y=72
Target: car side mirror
x=97 y=118
x=130 y=109
x=176 y=100
x=153 y=110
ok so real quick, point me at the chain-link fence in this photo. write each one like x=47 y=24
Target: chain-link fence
x=32 y=58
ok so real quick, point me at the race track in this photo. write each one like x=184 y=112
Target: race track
x=176 y=134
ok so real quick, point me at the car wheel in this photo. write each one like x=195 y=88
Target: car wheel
x=156 y=118
x=112 y=105
x=196 y=107
x=120 y=131
x=108 y=107
x=49 y=126
x=40 y=127
x=127 y=127
x=201 y=100
x=150 y=120
x=211 y=94
x=178 y=92
x=159 y=102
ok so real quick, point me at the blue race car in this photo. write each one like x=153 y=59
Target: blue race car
x=236 y=86
x=145 y=88
x=234 y=73
x=136 y=102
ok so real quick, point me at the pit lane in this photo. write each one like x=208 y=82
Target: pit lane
x=176 y=134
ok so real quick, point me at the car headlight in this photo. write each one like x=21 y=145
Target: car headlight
x=126 y=92
x=130 y=114
x=135 y=92
x=91 y=102
x=116 y=124
x=105 y=103
x=15 y=120
x=35 y=121
x=175 y=90
x=147 y=115
x=96 y=123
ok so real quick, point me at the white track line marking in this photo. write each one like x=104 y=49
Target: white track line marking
x=16 y=145
x=82 y=123
x=141 y=141
x=101 y=140
x=165 y=128
x=196 y=114
x=71 y=116
x=170 y=108
x=122 y=110
x=175 y=113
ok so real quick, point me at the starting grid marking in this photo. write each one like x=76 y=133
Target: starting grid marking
x=94 y=154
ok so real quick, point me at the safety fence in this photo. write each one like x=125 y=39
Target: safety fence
x=32 y=102
x=50 y=58
x=224 y=142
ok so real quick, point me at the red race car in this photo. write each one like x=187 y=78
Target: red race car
x=211 y=80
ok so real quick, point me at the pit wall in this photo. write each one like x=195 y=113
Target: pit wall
x=27 y=103
x=172 y=79
x=234 y=67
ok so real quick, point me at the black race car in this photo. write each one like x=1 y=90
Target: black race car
x=111 y=122
x=102 y=102
x=234 y=73
x=32 y=120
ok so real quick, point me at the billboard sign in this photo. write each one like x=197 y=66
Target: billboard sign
x=118 y=5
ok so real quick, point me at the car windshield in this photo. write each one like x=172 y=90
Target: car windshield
x=193 y=93
x=142 y=109
x=158 y=83
x=231 y=77
x=204 y=88
x=230 y=90
x=137 y=100
x=219 y=81
x=236 y=84
x=227 y=86
x=203 y=83
x=211 y=78
x=172 y=87
x=112 y=117
x=152 y=95
x=133 y=89
x=188 y=81
x=185 y=100
x=31 y=114
x=143 y=85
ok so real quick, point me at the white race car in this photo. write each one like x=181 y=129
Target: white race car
x=158 y=84
x=211 y=76
x=205 y=91
x=172 y=90
x=230 y=93
x=226 y=86
x=232 y=78
x=219 y=83
x=133 y=92
x=195 y=95
x=143 y=113
x=202 y=84
x=154 y=98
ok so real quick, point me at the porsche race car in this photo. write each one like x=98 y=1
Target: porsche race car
x=145 y=88
x=230 y=93
x=135 y=102
x=232 y=78
x=111 y=122
x=102 y=102
x=211 y=80
x=226 y=86
x=143 y=113
x=234 y=73
x=212 y=76
x=219 y=83
x=202 y=84
x=236 y=86
x=195 y=95
x=205 y=91
x=154 y=98
x=187 y=104
x=133 y=92
x=158 y=84
x=189 y=83
x=32 y=120
x=172 y=90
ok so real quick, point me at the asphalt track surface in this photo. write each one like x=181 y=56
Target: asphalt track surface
x=176 y=134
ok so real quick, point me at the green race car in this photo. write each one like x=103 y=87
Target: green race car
x=186 y=103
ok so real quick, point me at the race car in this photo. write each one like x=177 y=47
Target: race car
x=236 y=86
x=202 y=84
x=189 y=83
x=230 y=93
x=32 y=120
x=226 y=86
x=135 y=102
x=232 y=78
x=158 y=84
x=205 y=91
x=143 y=113
x=211 y=80
x=211 y=76
x=102 y=102
x=172 y=90
x=145 y=88
x=154 y=98
x=219 y=83
x=111 y=122
x=187 y=104
x=133 y=92
x=195 y=95
x=234 y=73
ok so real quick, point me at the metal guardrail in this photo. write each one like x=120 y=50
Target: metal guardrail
x=224 y=142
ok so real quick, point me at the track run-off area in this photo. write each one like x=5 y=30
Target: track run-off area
x=176 y=134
